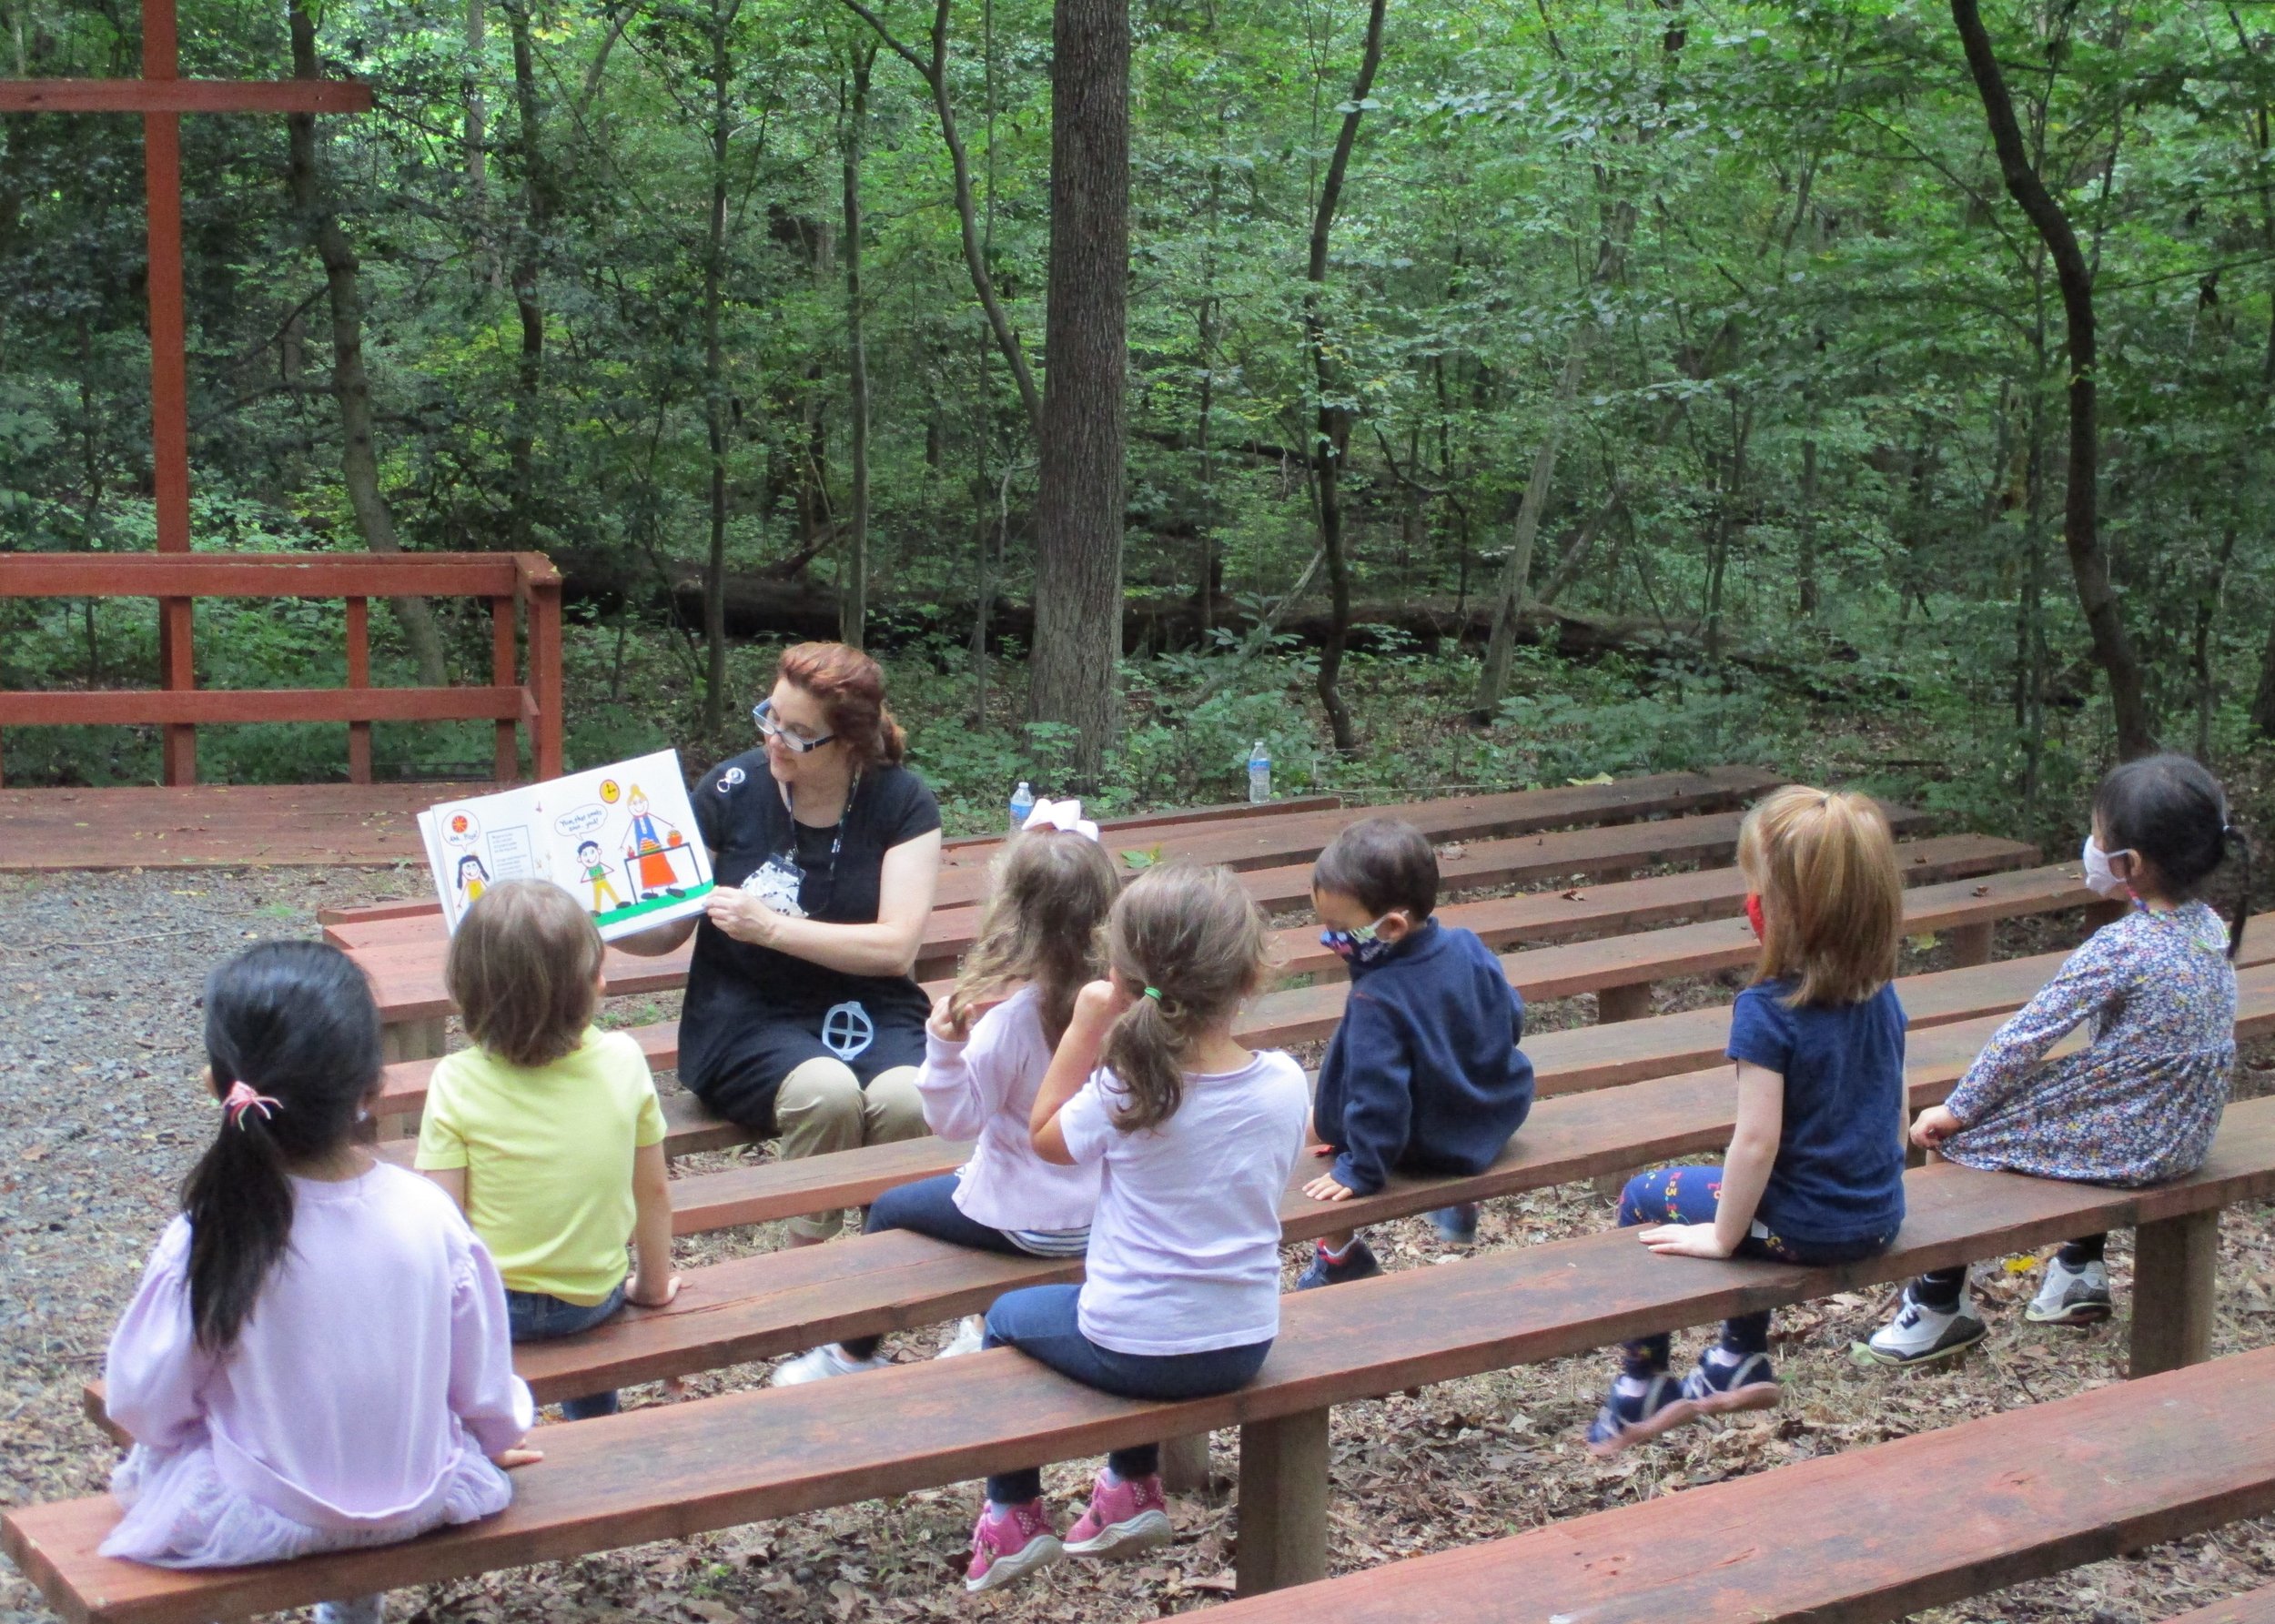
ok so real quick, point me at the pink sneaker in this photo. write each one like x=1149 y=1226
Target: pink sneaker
x=1123 y=1519
x=1010 y=1544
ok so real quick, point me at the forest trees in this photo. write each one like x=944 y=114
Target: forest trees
x=1734 y=342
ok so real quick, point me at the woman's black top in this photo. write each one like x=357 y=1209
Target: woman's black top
x=731 y=984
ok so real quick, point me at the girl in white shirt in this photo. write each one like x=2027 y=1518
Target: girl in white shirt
x=1194 y=1138
x=318 y=1357
x=987 y=1047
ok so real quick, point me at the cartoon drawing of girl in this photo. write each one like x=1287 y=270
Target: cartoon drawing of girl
x=648 y=837
x=471 y=877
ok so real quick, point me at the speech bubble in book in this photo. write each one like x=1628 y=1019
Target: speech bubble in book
x=460 y=830
x=580 y=820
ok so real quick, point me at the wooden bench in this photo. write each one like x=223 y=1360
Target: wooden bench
x=1515 y=812
x=676 y=1469
x=778 y=1302
x=1613 y=968
x=2253 y=1607
x=406 y=969
x=1867 y=1535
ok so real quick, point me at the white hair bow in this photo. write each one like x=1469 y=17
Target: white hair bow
x=1065 y=815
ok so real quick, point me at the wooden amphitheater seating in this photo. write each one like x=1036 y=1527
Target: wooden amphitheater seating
x=778 y=1302
x=672 y=1470
x=402 y=953
x=1615 y=969
x=1869 y=1535
x=2253 y=1607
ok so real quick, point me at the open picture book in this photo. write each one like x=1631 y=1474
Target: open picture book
x=620 y=839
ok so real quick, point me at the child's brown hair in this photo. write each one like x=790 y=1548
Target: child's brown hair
x=1832 y=900
x=1381 y=863
x=1191 y=944
x=1053 y=888
x=522 y=969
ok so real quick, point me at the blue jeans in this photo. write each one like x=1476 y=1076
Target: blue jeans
x=926 y=1208
x=1692 y=1196
x=536 y=1317
x=1040 y=1322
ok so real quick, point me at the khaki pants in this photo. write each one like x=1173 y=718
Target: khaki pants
x=822 y=1107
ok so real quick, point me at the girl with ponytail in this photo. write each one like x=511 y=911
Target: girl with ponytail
x=987 y=1047
x=318 y=1356
x=1194 y=1138
x=2156 y=988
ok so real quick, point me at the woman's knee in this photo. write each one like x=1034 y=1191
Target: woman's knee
x=819 y=1107
x=891 y=1107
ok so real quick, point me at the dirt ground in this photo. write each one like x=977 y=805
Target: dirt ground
x=100 y=1114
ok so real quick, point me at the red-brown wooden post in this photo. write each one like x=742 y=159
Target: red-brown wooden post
x=169 y=377
x=542 y=582
x=507 y=765
x=359 y=676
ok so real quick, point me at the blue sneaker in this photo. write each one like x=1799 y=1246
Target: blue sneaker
x=1725 y=1382
x=1358 y=1262
x=1456 y=1226
x=1637 y=1407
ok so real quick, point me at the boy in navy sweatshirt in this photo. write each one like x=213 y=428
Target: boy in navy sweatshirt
x=1424 y=1074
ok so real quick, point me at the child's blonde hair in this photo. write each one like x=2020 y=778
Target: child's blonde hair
x=521 y=969
x=1053 y=888
x=1191 y=944
x=1833 y=902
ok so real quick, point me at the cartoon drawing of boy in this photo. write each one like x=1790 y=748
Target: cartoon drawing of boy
x=648 y=837
x=471 y=877
x=596 y=872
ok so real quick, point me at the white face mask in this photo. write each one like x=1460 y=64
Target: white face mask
x=2100 y=879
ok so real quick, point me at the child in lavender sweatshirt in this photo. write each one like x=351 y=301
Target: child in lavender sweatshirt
x=987 y=1047
x=317 y=1359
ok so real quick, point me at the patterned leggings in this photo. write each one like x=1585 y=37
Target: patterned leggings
x=1692 y=1196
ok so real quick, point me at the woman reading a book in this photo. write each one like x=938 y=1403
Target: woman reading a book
x=802 y=1017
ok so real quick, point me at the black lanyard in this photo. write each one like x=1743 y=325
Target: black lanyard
x=836 y=845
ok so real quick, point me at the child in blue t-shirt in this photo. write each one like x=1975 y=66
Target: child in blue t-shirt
x=1424 y=1074
x=1814 y=1174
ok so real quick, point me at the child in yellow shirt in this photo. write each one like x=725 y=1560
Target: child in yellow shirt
x=547 y=1131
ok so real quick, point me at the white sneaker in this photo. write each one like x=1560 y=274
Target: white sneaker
x=967 y=1338
x=820 y=1364
x=1920 y=1335
x=2070 y=1297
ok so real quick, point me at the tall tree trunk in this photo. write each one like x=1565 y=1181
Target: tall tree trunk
x=527 y=258
x=853 y=580
x=477 y=119
x=1806 y=600
x=2089 y=559
x=1331 y=433
x=722 y=79
x=2201 y=652
x=351 y=384
x=1516 y=576
x=1078 y=509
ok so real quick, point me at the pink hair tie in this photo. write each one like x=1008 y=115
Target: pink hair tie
x=241 y=1098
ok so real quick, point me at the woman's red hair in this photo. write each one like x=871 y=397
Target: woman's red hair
x=851 y=689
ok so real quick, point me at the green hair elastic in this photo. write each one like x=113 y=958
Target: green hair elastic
x=1154 y=993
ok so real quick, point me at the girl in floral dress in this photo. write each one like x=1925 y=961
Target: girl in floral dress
x=2157 y=992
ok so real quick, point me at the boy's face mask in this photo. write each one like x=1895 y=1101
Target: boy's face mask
x=1360 y=946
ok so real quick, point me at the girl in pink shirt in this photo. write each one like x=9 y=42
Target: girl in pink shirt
x=317 y=1359
x=987 y=1047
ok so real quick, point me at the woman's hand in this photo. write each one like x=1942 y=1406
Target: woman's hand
x=1684 y=1240
x=742 y=915
x=1932 y=1126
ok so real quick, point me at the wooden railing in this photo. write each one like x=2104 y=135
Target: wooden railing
x=506 y=579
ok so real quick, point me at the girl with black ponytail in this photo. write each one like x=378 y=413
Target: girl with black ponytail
x=2156 y=989
x=284 y=1368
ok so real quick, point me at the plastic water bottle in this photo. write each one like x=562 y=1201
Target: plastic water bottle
x=1259 y=774
x=1022 y=803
